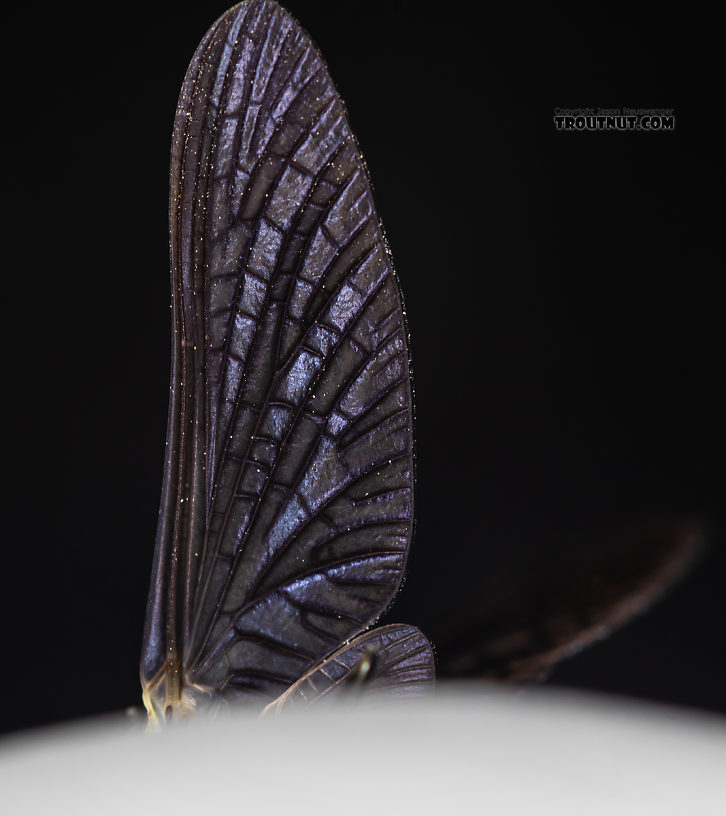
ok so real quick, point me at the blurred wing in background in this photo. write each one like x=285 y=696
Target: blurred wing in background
x=520 y=629
x=287 y=504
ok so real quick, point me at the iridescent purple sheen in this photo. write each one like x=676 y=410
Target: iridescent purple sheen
x=287 y=503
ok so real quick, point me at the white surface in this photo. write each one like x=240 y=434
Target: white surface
x=465 y=752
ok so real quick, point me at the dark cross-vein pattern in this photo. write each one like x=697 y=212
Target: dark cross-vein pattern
x=287 y=501
x=394 y=653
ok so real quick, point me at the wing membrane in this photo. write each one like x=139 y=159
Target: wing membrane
x=398 y=663
x=287 y=502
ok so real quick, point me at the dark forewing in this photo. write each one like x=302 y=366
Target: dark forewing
x=287 y=503
x=394 y=662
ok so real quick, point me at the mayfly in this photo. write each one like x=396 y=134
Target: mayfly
x=286 y=512
x=287 y=501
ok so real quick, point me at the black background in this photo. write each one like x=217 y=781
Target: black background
x=561 y=291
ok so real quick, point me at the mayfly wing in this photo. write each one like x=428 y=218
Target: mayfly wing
x=391 y=662
x=519 y=632
x=286 y=509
